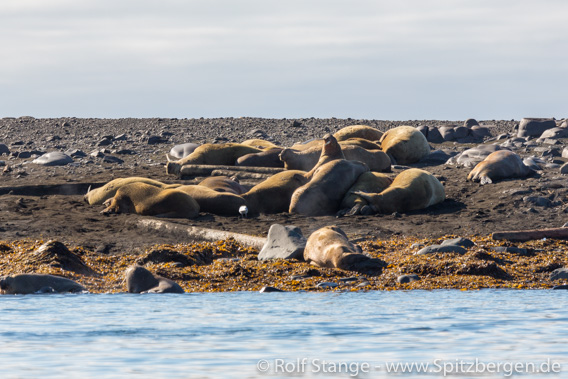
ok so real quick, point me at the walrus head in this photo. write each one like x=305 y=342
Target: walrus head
x=5 y=282
x=331 y=147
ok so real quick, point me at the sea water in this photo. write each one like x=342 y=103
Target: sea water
x=488 y=333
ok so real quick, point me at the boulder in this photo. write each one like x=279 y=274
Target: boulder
x=534 y=127
x=283 y=242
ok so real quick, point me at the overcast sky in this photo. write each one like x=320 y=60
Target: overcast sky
x=376 y=59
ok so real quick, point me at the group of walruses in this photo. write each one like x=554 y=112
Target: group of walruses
x=343 y=173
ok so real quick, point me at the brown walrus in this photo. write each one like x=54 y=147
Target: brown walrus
x=99 y=195
x=212 y=154
x=330 y=247
x=266 y=158
x=223 y=184
x=358 y=131
x=330 y=151
x=37 y=283
x=148 y=200
x=273 y=194
x=405 y=144
x=370 y=182
x=500 y=164
x=259 y=143
x=305 y=160
x=322 y=195
x=412 y=189
x=211 y=201
x=140 y=280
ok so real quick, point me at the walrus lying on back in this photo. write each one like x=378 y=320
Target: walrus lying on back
x=145 y=199
x=140 y=280
x=37 y=283
x=499 y=165
x=99 y=195
x=330 y=247
x=412 y=189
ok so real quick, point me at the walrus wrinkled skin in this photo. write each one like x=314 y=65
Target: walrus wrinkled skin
x=211 y=201
x=330 y=151
x=212 y=154
x=147 y=200
x=358 y=131
x=37 y=283
x=140 y=280
x=330 y=247
x=101 y=194
x=273 y=194
x=371 y=182
x=305 y=160
x=412 y=189
x=322 y=195
x=500 y=164
x=266 y=158
x=405 y=144
x=259 y=143
x=223 y=184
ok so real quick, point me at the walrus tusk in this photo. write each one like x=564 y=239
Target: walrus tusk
x=168 y=157
x=88 y=189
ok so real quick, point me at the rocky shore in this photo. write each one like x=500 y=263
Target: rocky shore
x=40 y=203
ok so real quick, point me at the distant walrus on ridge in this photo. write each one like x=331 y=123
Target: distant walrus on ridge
x=330 y=247
x=140 y=280
x=37 y=283
x=412 y=189
x=148 y=200
x=405 y=144
x=500 y=164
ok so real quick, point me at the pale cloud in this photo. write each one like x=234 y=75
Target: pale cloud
x=370 y=59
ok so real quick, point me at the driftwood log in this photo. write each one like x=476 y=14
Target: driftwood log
x=535 y=234
x=206 y=170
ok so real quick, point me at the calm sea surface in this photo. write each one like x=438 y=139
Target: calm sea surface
x=495 y=333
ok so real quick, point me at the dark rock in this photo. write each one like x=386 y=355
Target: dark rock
x=126 y=152
x=105 y=141
x=267 y=289
x=75 y=153
x=539 y=201
x=441 y=249
x=56 y=254
x=170 y=255
x=559 y=273
x=436 y=157
x=512 y=250
x=470 y=122
x=434 y=135
x=296 y=124
x=561 y=287
x=284 y=242
x=326 y=285
x=153 y=140
x=564 y=169
x=4 y=149
x=534 y=127
x=407 y=278
x=460 y=241
x=111 y=159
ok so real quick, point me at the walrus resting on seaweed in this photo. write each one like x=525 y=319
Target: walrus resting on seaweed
x=140 y=280
x=412 y=189
x=330 y=247
x=37 y=283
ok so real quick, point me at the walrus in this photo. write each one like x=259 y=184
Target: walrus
x=212 y=154
x=358 y=131
x=405 y=144
x=305 y=160
x=259 y=143
x=412 y=189
x=273 y=194
x=371 y=182
x=266 y=158
x=99 y=195
x=211 y=201
x=223 y=184
x=322 y=195
x=330 y=247
x=140 y=280
x=145 y=199
x=500 y=164
x=37 y=283
x=361 y=142
x=330 y=151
